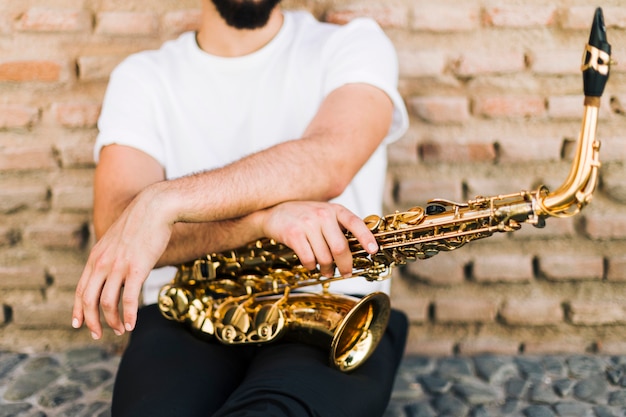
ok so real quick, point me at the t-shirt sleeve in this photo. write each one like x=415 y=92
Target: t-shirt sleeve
x=129 y=112
x=360 y=52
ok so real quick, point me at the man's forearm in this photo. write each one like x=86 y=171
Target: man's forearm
x=194 y=240
x=292 y=171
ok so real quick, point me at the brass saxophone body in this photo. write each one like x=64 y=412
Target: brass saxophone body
x=254 y=294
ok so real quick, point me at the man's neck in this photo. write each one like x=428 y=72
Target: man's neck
x=218 y=38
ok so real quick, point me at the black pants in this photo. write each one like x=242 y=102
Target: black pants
x=166 y=371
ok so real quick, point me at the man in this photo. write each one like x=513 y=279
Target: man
x=247 y=128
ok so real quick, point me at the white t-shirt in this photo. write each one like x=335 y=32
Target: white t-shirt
x=193 y=111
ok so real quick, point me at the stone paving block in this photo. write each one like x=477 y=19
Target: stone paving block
x=494 y=369
x=30 y=383
x=474 y=392
x=539 y=411
x=592 y=390
x=517 y=388
x=563 y=387
x=8 y=361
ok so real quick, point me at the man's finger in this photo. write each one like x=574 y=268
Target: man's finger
x=110 y=300
x=358 y=228
x=77 y=311
x=91 y=302
x=130 y=299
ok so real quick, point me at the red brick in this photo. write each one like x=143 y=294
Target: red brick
x=465 y=310
x=510 y=268
x=17 y=196
x=44 y=316
x=413 y=64
x=386 y=16
x=76 y=155
x=518 y=149
x=418 y=191
x=612 y=149
x=520 y=16
x=54 y=311
x=77 y=113
x=495 y=186
x=616 y=270
x=72 y=198
x=443 y=269
x=43 y=19
x=27 y=158
x=555 y=228
x=58 y=339
x=180 y=21
x=97 y=68
x=603 y=226
x=580 y=17
x=23 y=71
x=388 y=197
x=476 y=63
x=22 y=276
x=556 y=62
x=612 y=347
x=404 y=298
x=403 y=151
x=57 y=235
x=18 y=116
x=566 y=107
x=440 y=109
x=577 y=17
x=418 y=344
x=533 y=312
x=589 y=313
x=9 y=236
x=613 y=184
x=573 y=266
x=65 y=275
x=510 y=106
x=24 y=295
x=557 y=345
x=6 y=23
x=437 y=152
x=434 y=18
x=488 y=346
x=127 y=23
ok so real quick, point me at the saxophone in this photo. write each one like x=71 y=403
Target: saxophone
x=253 y=294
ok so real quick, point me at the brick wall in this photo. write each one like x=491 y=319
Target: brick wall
x=494 y=94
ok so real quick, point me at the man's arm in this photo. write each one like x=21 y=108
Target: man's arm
x=122 y=172
x=349 y=126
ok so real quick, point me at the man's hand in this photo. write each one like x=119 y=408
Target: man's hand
x=315 y=231
x=119 y=264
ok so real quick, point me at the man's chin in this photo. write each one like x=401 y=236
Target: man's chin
x=245 y=14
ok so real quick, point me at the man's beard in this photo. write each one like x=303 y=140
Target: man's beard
x=245 y=14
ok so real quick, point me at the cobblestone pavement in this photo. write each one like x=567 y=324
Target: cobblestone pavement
x=78 y=383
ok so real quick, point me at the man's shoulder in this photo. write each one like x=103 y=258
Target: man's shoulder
x=309 y=28
x=306 y=21
x=153 y=59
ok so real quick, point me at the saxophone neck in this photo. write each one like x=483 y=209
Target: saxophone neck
x=578 y=188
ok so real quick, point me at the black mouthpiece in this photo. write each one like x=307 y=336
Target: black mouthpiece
x=597 y=57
